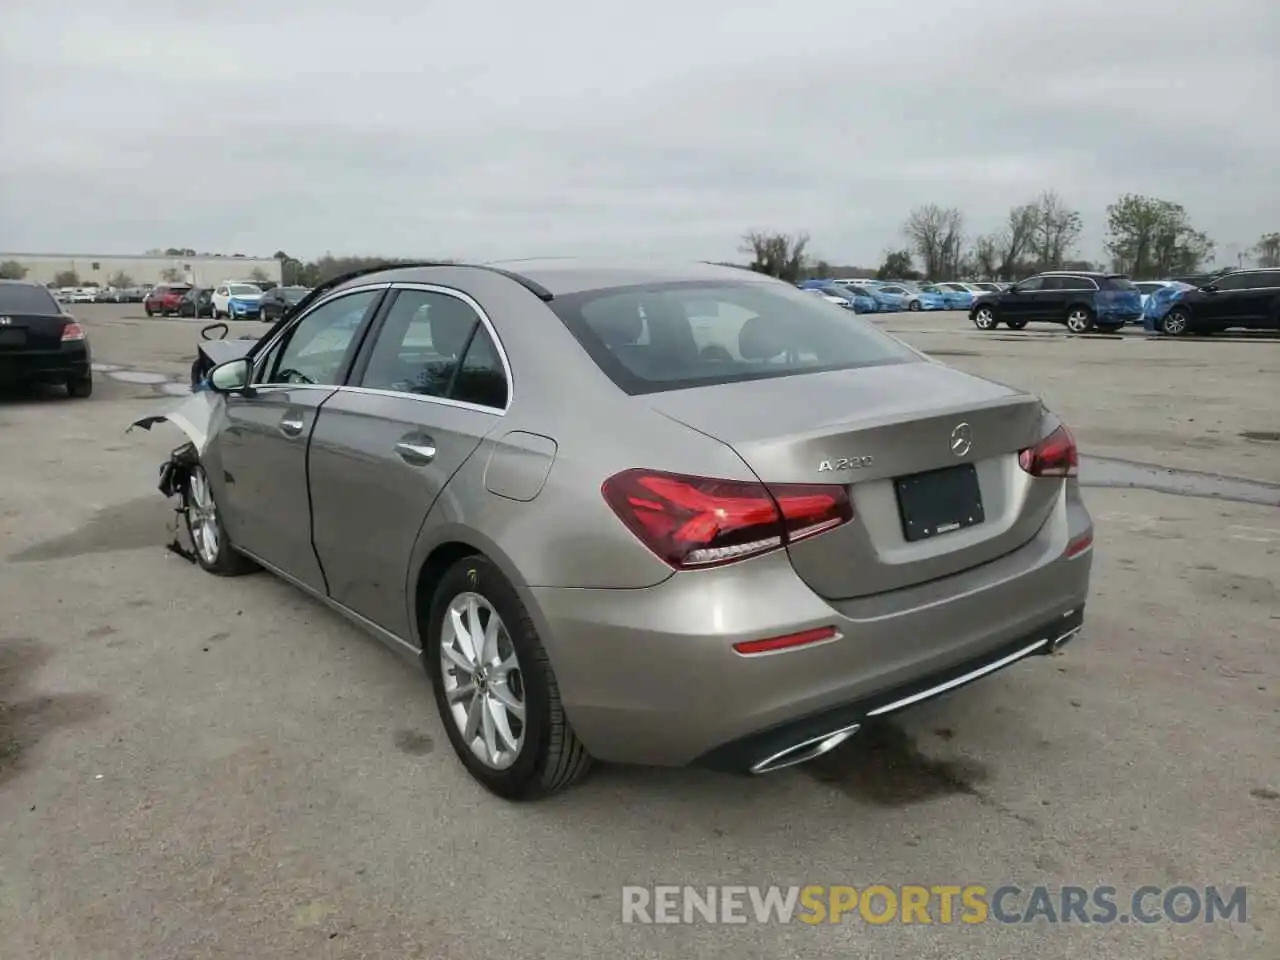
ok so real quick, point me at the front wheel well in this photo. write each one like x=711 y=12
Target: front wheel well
x=438 y=561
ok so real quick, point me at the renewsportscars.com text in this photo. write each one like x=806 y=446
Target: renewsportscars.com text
x=939 y=904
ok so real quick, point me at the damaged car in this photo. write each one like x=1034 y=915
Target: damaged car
x=670 y=516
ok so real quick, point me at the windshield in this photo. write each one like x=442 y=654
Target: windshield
x=29 y=299
x=651 y=338
x=244 y=290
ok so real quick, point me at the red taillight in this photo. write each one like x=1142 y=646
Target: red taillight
x=1054 y=456
x=73 y=331
x=806 y=638
x=694 y=522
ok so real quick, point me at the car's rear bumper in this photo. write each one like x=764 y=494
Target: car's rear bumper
x=651 y=676
x=72 y=361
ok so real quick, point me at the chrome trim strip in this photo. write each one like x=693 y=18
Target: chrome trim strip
x=423 y=398
x=958 y=681
x=817 y=746
x=402 y=647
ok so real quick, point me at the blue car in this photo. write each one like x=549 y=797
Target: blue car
x=908 y=298
x=854 y=298
x=954 y=295
x=1156 y=304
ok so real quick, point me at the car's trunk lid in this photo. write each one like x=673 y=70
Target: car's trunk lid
x=867 y=428
x=29 y=331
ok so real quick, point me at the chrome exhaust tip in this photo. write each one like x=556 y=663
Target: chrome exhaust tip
x=805 y=750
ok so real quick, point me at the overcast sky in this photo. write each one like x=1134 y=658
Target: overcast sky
x=565 y=127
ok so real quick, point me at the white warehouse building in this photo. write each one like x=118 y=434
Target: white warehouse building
x=100 y=269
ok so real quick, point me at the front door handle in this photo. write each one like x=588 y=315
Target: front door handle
x=291 y=425
x=418 y=454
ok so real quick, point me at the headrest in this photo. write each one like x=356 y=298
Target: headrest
x=620 y=327
x=759 y=340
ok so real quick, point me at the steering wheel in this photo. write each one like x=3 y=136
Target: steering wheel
x=290 y=375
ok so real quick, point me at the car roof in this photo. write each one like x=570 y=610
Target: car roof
x=1097 y=274
x=560 y=276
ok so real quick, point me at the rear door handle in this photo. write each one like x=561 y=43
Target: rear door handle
x=291 y=425
x=418 y=454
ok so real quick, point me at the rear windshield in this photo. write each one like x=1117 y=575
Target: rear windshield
x=652 y=338
x=29 y=299
x=1119 y=283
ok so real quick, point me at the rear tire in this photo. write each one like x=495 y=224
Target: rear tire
x=984 y=318
x=914 y=306
x=510 y=683
x=80 y=387
x=1081 y=320
x=213 y=548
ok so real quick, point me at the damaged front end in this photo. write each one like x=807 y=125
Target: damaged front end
x=198 y=417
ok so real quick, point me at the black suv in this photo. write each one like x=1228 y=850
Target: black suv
x=1242 y=298
x=196 y=302
x=1082 y=301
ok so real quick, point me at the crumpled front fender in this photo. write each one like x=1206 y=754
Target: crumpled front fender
x=198 y=416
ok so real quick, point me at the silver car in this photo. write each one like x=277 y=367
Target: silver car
x=670 y=516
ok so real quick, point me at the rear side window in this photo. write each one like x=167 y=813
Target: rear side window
x=29 y=299
x=434 y=345
x=1120 y=283
x=1268 y=278
x=652 y=338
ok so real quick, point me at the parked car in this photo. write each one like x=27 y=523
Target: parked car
x=1243 y=298
x=83 y=295
x=1082 y=301
x=908 y=298
x=165 y=299
x=885 y=303
x=196 y=302
x=1149 y=287
x=237 y=301
x=277 y=301
x=849 y=297
x=954 y=295
x=571 y=566
x=980 y=287
x=40 y=341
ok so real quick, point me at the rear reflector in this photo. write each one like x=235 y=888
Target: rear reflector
x=695 y=522
x=1054 y=456
x=773 y=644
x=1077 y=547
x=73 y=331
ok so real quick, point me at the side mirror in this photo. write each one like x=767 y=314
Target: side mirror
x=232 y=376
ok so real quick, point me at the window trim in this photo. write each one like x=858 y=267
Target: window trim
x=266 y=345
x=375 y=327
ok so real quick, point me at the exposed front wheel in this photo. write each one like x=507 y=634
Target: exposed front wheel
x=495 y=688
x=208 y=535
x=1080 y=320
x=984 y=318
x=913 y=306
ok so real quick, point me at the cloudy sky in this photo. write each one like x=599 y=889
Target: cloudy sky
x=563 y=127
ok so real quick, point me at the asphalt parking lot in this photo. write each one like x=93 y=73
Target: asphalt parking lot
x=198 y=767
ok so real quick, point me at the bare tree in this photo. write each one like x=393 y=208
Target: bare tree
x=937 y=236
x=1015 y=240
x=1057 y=227
x=986 y=256
x=777 y=254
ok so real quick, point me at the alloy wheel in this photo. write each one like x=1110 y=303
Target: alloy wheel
x=984 y=319
x=1175 y=323
x=483 y=683
x=202 y=516
x=1078 y=321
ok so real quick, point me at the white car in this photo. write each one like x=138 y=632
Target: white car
x=83 y=295
x=840 y=301
x=237 y=300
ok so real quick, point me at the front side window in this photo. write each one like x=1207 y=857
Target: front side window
x=651 y=338
x=1236 y=281
x=434 y=344
x=1031 y=284
x=315 y=349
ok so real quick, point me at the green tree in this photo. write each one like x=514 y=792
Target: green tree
x=1267 y=250
x=776 y=254
x=120 y=280
x=66 y=278
x=12 y=270
x=1151 y=238
x=897 y=266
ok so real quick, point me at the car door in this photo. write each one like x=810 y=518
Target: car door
x=1253 y=295
x=1019 y=303
x=1267 y=285
x=1229 y=301
x=429 y=384
x=221 y=295
x=257 y=462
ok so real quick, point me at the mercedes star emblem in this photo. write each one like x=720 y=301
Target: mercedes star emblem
x=962 y=440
